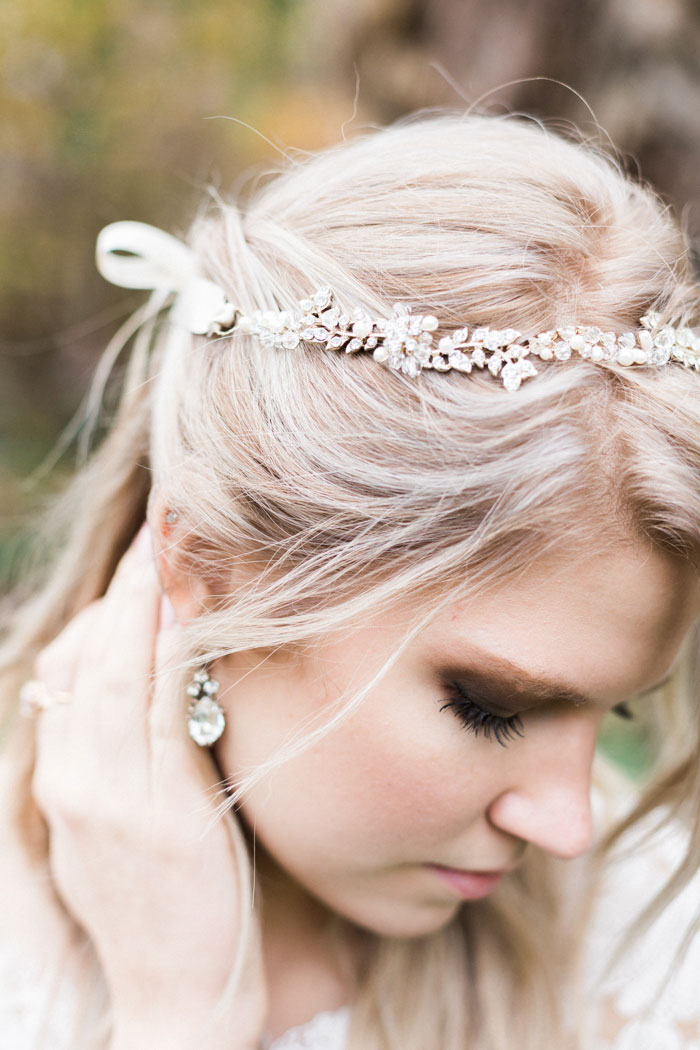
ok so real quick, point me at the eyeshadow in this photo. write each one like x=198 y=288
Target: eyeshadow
x=507 y=688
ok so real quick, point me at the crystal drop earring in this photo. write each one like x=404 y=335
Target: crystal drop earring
x=205 y=716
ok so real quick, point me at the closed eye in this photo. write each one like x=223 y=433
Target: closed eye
x=478 y=720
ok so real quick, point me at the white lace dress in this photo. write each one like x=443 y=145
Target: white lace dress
x=641 y=1007
x=327 y=1031
x=632 y=1011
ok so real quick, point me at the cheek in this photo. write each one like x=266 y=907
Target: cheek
x=412 y=776
x=398 y=789
x=380 y=790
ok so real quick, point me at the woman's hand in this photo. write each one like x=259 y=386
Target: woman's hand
x=135 y=850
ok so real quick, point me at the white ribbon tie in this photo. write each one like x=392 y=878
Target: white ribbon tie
x=136 y=255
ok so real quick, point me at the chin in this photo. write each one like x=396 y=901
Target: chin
x=401 y=921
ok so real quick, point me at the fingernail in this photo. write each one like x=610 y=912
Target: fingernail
x=167 y=613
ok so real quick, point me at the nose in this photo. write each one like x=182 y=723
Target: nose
x=549 y=801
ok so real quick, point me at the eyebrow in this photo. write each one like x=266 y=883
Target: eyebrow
x=501 y=677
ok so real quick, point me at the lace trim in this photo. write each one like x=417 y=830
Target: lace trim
x=326 y=1031
x=636 y=1005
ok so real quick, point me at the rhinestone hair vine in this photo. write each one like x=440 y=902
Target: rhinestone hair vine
x=405 y=342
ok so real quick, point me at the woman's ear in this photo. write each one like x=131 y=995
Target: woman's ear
x=186 y=593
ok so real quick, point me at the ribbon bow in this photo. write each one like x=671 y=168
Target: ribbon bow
x=136 y=255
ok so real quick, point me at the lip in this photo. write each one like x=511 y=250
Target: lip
x=469 y=885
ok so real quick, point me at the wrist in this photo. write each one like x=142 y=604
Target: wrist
x=174 y=1029
x=185 y=1015
x=172 y=1034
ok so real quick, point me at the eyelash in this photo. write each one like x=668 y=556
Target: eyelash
x=477 y=720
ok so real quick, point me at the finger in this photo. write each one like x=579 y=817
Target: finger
x=55 y=663
x=105 y=658
x=138 y=553
x=56 y=666
x=106 y=726
x=114 y=680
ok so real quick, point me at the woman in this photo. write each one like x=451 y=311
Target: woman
x=322 y=776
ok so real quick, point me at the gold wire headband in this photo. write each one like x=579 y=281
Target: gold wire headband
x=135 y=255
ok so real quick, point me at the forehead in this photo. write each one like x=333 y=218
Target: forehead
x=602 y=628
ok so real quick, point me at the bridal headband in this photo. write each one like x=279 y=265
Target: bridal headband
x=136 y=255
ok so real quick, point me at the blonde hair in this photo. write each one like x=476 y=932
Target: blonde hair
x=341 y=486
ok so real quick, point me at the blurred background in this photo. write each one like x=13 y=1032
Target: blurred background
x=115 y=109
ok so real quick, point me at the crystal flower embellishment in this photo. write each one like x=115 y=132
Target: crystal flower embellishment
x=406 y=342
x=136 y=255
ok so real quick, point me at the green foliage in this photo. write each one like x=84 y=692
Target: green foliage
x=628 y=743
x=109 y=112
